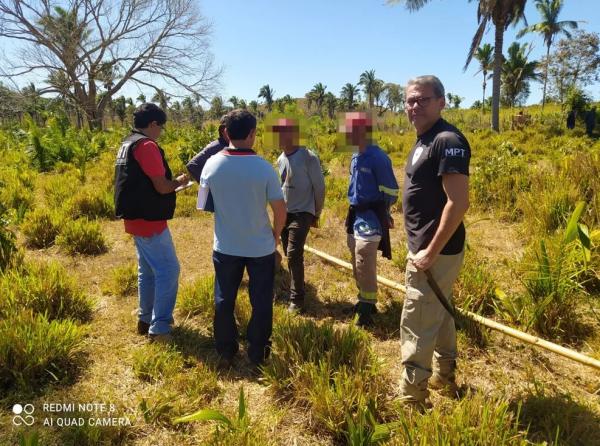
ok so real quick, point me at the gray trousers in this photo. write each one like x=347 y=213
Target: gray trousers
x=427 y=331
x=364 y=267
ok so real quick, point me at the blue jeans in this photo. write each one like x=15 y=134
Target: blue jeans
x=158 y=276
x=228 y=276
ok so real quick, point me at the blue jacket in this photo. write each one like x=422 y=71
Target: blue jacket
x=373 y=189
x=372 y=178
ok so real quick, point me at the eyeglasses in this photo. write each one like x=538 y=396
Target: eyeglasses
x=422 y=101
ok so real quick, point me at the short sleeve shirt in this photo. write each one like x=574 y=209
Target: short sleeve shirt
x=443 y=149
x=147 y=155
x=241 y=184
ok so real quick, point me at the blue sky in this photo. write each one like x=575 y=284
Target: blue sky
x=292 y=45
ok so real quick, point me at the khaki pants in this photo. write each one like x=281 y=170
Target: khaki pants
x=364 y=267
x=427 y=330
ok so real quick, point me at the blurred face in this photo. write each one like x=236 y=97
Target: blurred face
x=422 y=106
x=288 y=137
x=355 y=128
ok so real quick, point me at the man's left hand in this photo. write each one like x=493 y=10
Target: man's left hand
x=423 y=260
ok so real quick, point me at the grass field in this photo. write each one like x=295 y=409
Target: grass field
x=68 y=301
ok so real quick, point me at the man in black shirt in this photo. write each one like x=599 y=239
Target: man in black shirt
x=196 y=164
x=435 y=199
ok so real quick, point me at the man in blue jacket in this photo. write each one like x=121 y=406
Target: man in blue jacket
x=373 y=189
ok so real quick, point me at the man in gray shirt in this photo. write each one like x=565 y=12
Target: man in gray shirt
x=303 y=188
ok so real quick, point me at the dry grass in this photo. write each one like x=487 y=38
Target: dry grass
x=504 y=369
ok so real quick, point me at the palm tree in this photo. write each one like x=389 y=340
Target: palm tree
x=234 y=101
x=317 y=95
x=484 y=56
x=370 y=84
x=267 y=94
x=162 y=98
x=349 y=95
x=331 y=103
x=549 y=27
x=517 y=71
x=502 y=14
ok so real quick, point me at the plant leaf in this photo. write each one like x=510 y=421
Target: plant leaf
x=586 y=242
x=205 y=415
x=572 y=229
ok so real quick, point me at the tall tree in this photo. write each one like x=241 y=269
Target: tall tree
x=517 y=72
x=99 y=45
x=349 y=95
x=318 y=95
x=549 y=28
x=574 y=64
x=234 y=101
x=331 y=104
x=500 y=13
x=370 y=83
x=162 y=98
x=394 y=94
x=267 y=93
x=484 y=55
x=217 y=108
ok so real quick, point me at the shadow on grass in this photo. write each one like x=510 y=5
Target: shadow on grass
x=201 y=347
x=58 y=376
x=559 y=419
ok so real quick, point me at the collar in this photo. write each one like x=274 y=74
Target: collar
x=433 y=129
x=236 y=151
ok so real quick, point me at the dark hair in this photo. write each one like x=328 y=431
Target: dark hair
x=223 y=123
x=146 y=113
x=240 y=123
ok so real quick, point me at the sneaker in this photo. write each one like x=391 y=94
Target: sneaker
x=445 y=386
x=143 y=327
x=162 y=338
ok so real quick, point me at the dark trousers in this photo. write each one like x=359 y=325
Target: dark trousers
x=228 y=276
x=293 y=237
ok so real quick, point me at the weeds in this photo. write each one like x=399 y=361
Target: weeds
x=82 y=237
x=40 y=228
x=44 y=288
x=123 y=281
x=34 y=350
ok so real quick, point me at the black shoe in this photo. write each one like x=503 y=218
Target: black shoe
x=143 y=327
x=365 y=313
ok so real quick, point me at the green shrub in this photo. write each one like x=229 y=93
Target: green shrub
x=82 y=237
x=40 y=228
x=59 y=187
x=477 y=420
x=549 y=203
x=123 y=281
x=330 y=370
x=498 y=180
x=44 y=288
x=8 y=245
x=92 y=205
x=475 y=286
x=34 y=350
